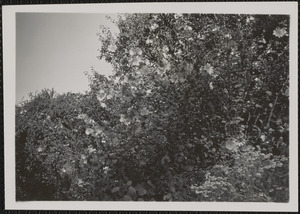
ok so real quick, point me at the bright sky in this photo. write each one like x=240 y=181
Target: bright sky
x=53 y=50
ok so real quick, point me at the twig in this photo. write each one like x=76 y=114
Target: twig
x=272 y=109
x=256 y=119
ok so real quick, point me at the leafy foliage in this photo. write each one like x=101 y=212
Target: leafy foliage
x=253 y=176
x=196 y=109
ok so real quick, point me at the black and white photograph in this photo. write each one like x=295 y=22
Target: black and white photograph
x=152 y=108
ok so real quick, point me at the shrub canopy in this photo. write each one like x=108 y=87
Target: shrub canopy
x=189 y=93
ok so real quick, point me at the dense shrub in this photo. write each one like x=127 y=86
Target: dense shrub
x=196 y=109
x=253 y=176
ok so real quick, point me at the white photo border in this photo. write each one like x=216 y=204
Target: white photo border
x=9 y=68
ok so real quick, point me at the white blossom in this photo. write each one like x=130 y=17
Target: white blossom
x=227 y=36
x=149 y=41
x=279 y=32
x=145 y=111
x=124 y=120
x=89 y=131
x=103 y=105
x=82 y=116
x=154 y=26
x=91 y=149
x=80 y=182
x=251 y=18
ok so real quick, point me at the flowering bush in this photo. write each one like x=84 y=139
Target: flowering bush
x=251 y=176
x=196 y=109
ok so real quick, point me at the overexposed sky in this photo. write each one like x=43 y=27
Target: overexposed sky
x=53 y=50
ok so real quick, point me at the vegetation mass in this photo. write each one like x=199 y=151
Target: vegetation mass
x=197 y=109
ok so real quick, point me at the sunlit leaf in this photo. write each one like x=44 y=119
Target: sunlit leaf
x=269 y=93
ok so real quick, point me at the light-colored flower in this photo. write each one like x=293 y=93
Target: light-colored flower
x=148 y=92
x=189 y=28
x=167 y=64
x=139 y=51
x=279 y=32
x=251 y=18
x=91 y=149
x=178 y=52
x=144 y=111
x=136 y=60
x=89 y=121
x=165 y=49
x=89 y=131
x=227 y=36
x=145 y=69
x=101 y=95
x=98 y=130
x=147 y=62
x=178 y=15
x=103 y=105
x=124 y=120
x=80 y=182
x=231 y=145
x=210 y=70
x=201 y=37
x=82 y=116
x=106 y=169
x=215 y=29
x=154 y=26
x=109 y=97
x=131 y=52
x=149 y=41
x=112 y=48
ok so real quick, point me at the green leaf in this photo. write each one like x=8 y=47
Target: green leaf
x=238 y=85
x=116 y=189
x=138 y=129
x=167 y=197
x=131 y=190
x=173 y=189
x=286 y=93
x=127 y=198
x=142 y=191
